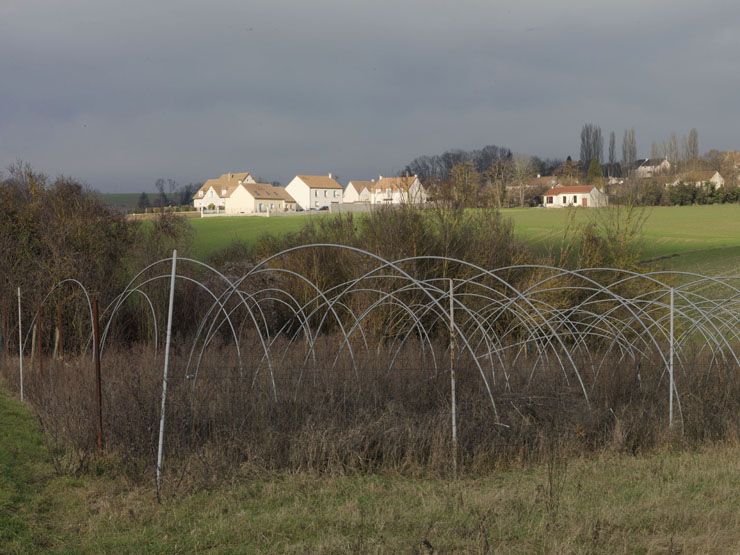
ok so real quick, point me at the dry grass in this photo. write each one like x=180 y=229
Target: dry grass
x=668 y=501
x=343 y=421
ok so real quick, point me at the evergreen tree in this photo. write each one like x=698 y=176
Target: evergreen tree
x=143 y=203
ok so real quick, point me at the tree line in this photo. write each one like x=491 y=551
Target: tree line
x=56 y=228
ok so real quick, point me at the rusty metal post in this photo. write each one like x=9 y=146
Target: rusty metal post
x=40 y=338
x=98 y=379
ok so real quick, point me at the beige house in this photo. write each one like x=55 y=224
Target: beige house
x=238 y=193
x=586 y=196
x=213 y=194
x=266 y=198
x=699 y=178
x=357 y=191
x=397 y=190
x=315 y=192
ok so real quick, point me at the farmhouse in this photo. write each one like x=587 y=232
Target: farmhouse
x=699 y=178
x=397 y=190
x=575 y=195
x=357 y=191
x=238 y=193
x=314 y=192
x=213 y=194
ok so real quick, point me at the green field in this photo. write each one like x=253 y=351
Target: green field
x=667 y=501
x=705 y=238
x=702 y=238
x=212 y=234
x=126 y=201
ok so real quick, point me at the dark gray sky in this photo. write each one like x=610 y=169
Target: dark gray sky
x=120 y=93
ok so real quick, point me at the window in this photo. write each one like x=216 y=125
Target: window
x=549 y=200
x=575 y=199
x=565 y=199
x=336 y=194
x=315 y=192
x=326 y=193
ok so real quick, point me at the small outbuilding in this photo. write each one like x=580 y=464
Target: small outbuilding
x=586 y=196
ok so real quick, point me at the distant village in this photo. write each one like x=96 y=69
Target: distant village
x=569 y=185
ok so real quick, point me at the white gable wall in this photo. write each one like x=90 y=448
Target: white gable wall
x=312 y=199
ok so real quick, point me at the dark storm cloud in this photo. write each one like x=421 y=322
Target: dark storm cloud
x=121 y=93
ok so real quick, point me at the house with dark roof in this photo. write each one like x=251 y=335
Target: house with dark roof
x=650 y=167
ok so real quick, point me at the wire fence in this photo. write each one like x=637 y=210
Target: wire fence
x=280 y=332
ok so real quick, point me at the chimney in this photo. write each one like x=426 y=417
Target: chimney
x=329 y=175
x=380 y=177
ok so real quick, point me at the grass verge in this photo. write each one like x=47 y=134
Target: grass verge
x=668 y=501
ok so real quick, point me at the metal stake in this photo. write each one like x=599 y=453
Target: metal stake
x=160 y=449
x=20 y=342
x=452 y=382
x=670 y=367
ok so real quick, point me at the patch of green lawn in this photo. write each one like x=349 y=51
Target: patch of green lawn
x=213 y=234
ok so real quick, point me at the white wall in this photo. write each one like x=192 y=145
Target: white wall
x=350 y=193
x=211 y=197
x=300 y=192
x=595 y=199
x=240 y=202
x=311 y=199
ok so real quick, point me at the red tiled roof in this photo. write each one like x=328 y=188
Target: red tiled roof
x=573 y=189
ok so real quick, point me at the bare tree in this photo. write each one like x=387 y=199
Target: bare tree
x=671 y=149
x=693 y=145
x=592 y=143
x=612 y=149
x=523 y=171
x=629 y=150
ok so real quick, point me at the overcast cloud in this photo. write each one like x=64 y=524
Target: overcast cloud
x=120 y=93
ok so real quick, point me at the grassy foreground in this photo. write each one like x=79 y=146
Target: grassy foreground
x=669 y=501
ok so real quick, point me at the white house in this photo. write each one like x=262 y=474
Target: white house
x=238 y=193
x=265 y=198
x=575 y=195
x=699 y=178
x=357 y=191
x=397 y=190
x=314 y=192
x=650 y=167
x=213 y=193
